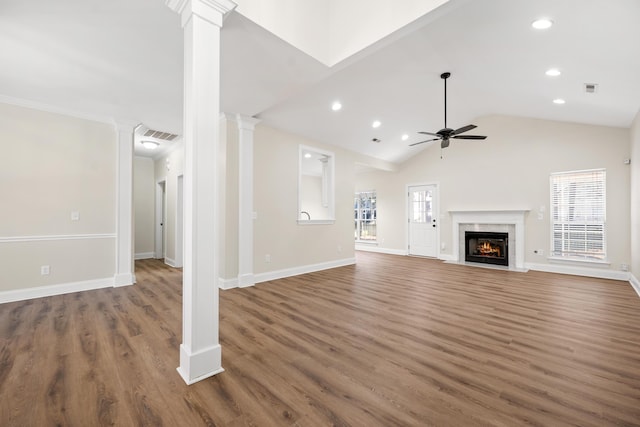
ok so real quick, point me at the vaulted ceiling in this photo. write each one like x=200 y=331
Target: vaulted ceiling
x=123 y=59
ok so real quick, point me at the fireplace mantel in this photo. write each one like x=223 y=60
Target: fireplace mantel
x=513 y=217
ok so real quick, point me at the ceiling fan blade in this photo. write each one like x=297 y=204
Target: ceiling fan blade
x=429 y=133
x=422 y=142
x=463 y=129
x=469 y=137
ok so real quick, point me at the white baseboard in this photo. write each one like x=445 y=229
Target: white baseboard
x=295 y=271
x=635 y=284
x=124 y=279
x=580 y=271
x=52 y=290
x=144 y=255
x=226 y=284
x=377 y=249
x=170 y=262
x=446 y=257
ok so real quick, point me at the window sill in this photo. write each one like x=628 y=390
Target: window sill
x=367 y=242
x=316 y=221
x=570 y=260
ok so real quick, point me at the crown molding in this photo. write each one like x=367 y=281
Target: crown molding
x=34 y=105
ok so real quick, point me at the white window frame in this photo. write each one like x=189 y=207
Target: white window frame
x=578 y=228
x=359 y=218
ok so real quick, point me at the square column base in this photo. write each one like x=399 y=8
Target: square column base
x=201 y=365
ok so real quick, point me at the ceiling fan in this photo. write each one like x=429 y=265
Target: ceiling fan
x=447 y=133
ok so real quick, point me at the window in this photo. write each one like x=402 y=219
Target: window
x=365 y=216
x=421 y=203
x=578 y=210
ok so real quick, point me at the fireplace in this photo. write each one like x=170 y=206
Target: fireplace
x=487 y=247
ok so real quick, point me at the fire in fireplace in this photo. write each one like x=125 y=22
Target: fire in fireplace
x=487 y=247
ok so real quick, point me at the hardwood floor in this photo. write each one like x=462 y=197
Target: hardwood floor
x=392 y=341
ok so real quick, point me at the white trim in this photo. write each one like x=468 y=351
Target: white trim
x=580 y=271
x=635 y=284
x=53 y=290
x=145 y=255
x=226 y=284
x=170 y=262
x=377 y=249
x=26 y=103
x=567 y=259
x=303 y=269
x=246 y=280
x=316 y=221
x=123 y=279
x=16 y=239
x=199 y=365
x=446 y=257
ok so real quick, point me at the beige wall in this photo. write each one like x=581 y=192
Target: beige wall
x=509 y=170
x=635 y=197
x=277 y=232
x=55 y=165
x=144 y=206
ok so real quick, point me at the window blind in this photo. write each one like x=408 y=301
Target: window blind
x=578 y=214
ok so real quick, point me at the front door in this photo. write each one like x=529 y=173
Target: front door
x=423 y=231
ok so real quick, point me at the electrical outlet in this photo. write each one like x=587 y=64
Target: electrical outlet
x=75 y=216
x=267 y=258
x=624 y=267
x=44 y=270
x=339 y=248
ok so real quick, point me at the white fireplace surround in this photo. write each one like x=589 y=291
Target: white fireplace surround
x=511 y=220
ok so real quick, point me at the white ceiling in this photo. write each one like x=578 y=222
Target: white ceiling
x=123 y=59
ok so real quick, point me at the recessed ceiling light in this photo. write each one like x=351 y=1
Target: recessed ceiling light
x=150 y=145
x=542 y=24
x=376 y=124
x=559 y=101
x=405 y=137
x=336 y=106
x=553 y=72
x=307 y=155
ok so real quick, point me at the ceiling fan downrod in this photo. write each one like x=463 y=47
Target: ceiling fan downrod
x=445 y=76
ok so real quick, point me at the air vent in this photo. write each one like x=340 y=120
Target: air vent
x=590 y=87
x=165 y=136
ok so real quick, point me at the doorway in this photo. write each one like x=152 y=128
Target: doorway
x=161 y=204
x=423 y=225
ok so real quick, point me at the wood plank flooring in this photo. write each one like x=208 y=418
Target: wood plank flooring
x=392 y=341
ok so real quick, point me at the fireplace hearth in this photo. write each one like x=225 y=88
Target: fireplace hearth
x=487 y=247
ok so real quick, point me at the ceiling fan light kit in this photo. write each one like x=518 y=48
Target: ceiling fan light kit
x=446 y=133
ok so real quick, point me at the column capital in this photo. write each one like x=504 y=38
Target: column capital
x=246 y=122
x=213 y=11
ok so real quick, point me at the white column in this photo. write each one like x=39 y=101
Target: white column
x=200 y=352
x=124 y=205
x=246 y=125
